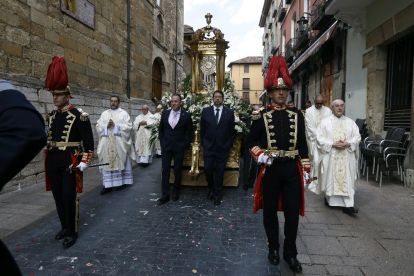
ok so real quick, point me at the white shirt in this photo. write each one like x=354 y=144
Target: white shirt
x=171 y=118
x=220 y=112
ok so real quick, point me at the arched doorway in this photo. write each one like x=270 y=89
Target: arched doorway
x=156 y=80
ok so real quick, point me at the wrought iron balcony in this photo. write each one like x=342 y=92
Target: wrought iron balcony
x=319 y=18
x=289 y=50
x=281 y=12
x=302 y=40
x=273 y=47
x=288 y=2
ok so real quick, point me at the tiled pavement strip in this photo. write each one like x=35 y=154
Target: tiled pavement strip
x=126 y=233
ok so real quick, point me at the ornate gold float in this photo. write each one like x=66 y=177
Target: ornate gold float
x=208 y=46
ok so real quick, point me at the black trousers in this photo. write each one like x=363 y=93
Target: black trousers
x=166 y=158
x=215 y=162
x=64 y=189
x=282 y=178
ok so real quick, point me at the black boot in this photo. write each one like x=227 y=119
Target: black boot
x=294 y=264
x=273 y=257
x=70 y=240
x=61 y=234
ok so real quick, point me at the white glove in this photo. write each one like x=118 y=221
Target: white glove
x=306 y=178
x=82 y=166
x=264 y=158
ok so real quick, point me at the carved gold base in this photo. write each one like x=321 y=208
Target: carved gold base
x=231 y=179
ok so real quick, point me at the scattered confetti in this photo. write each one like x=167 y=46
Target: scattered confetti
x=85 y=224
x=41 y=268
x=89 y=264
x=17 y=250
x=33 y=240
x=194 y=271
x=95 y=251
x=67 y=269
x=18 y=244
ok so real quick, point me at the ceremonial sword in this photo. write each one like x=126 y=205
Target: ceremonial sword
x=90 y=166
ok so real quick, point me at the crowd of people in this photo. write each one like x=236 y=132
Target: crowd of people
x=286 y=150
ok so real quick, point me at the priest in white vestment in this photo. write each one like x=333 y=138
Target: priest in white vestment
x=144 y=151
x=337 y=142
x=313 y=117
x=115 y=146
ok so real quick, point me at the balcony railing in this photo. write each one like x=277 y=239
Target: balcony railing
x=302 y=40
x=288 y=2
x=281 y=12
x=319 y=18
x=273 y=46
x=289 y=50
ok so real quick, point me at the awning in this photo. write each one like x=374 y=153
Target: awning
x=321 y=40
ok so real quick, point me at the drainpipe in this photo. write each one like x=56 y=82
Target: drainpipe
x=128 y=49
x=176 y=46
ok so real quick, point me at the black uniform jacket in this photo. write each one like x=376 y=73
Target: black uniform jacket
x=279 y=128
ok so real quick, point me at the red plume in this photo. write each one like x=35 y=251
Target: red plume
x=277 y=68
x=57 y=75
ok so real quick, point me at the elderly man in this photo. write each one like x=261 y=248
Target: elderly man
x=337 y=141
x=115 y=146
x=313 y=117
x=144 y=150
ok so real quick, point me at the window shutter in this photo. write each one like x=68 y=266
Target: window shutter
x=246 y=68
x=246 y=83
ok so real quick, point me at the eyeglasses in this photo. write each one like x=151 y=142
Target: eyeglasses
x=319 y=103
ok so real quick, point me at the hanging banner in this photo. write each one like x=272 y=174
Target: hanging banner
x=81 y=10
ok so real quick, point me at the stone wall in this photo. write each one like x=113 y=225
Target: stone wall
x=33 y=31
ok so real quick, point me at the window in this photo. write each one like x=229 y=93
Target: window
x=246 y=83
x=246 y=68
x=400 y=57
x=246 y=96
x=159 y=3
x=160 y=28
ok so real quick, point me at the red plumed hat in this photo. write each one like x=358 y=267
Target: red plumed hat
x=278 y=75
x=57 y=76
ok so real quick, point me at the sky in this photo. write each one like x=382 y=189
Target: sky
x=237 y=19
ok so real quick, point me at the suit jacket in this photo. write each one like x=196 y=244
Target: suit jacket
x=217 y=137
x=179 y=138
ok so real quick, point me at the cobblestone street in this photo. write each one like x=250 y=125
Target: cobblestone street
x=126 y=232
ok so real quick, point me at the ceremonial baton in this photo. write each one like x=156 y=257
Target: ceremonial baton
x=90 y=166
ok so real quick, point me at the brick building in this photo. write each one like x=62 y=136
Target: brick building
x=32 y=32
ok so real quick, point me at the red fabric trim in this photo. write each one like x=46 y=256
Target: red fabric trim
x=277 y=108
x=258 y=193
x=47 y=181
x=78 y=174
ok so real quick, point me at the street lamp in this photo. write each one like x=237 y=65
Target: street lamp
x=302 y=24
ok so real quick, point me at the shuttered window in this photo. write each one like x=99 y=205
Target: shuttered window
x=246 y=96
x=399 y=83
x=246 y=83
x=246 y=68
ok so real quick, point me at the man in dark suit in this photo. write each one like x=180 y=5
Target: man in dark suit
x=217 y=135
x=176 y=134
x=22 y=136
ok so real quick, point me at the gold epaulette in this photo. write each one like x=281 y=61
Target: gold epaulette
x=84 y=116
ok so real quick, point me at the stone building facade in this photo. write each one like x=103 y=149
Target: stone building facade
x=32 y=32
x=167 y=44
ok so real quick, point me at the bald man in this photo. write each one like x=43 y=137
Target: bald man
x=313 y=117
x=144 y=151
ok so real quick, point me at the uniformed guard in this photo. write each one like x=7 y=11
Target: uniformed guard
x=285 y=158
x=68 y=127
